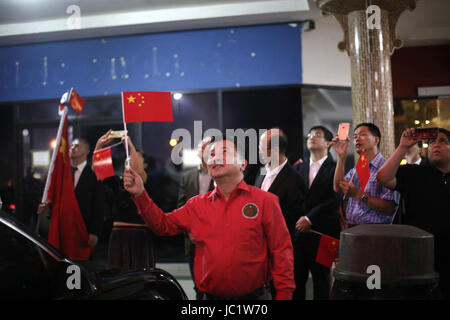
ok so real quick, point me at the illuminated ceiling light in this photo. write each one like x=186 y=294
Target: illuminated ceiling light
x=427 y=121
x=173 y=142
x=416 y=122
x=53 y=144
x=177 y=95
x=425 y=145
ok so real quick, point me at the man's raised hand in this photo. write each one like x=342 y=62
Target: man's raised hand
x=407 y=139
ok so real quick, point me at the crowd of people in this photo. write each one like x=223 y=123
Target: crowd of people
x=259 y=240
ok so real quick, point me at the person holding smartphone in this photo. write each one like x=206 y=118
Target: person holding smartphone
x=426 y=192
x=374 y=204
x=131 y=242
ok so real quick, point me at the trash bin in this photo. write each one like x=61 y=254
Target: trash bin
x=385 y=262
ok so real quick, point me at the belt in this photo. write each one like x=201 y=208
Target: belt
x=254 y=295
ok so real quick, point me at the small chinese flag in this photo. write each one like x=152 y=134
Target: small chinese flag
x=142 y=106
x=362 y=169
x=76 y=101
x=103 y=165
x=328 y=248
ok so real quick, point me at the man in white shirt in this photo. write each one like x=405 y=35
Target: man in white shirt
x=320 y=214
x=88 y=191
x=280 y=178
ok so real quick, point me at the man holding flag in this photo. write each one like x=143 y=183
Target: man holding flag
x=76 y=219
x=88 y=191
x=368 y=201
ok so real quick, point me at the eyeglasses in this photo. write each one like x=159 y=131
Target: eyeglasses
x=440 y=140
x=312 y=135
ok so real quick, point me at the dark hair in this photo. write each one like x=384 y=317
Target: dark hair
x=84 y=141
x=328 y=135
x=372 y=128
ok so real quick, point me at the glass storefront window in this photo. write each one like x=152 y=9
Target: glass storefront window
x=421 y=113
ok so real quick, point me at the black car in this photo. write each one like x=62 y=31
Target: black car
x=31 y=268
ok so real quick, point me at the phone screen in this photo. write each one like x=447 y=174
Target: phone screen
x=343 y=130
x=426 y=133
x=117 y=134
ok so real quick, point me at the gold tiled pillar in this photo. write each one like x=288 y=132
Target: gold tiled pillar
x=370 y=46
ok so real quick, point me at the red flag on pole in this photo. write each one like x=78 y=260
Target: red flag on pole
x=74 y=100
x=103 y=165
x=142 y=106
x=328 y=248
x=363 y=170
x=67 y=231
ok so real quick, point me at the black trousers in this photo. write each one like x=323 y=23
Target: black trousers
x=263 y=293
x=305 y=250
x=442 y=264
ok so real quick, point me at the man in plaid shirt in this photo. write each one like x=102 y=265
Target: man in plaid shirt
x=374 y=204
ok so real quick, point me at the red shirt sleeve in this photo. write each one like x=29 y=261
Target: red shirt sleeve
x=280 y=249
x=161 y=223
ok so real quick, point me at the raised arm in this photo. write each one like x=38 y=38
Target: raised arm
x=176 y=222
x=386 y=174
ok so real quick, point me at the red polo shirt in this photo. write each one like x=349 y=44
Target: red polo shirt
x=241 y=243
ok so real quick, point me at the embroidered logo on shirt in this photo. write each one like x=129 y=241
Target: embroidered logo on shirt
x=250 y=210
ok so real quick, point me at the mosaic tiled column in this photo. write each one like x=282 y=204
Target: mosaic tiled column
x=369 y=40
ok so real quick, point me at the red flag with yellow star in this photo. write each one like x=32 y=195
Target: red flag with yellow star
x=362 y=169
x=328 y=248
x=67 y=230
x=103 y=165
x=142 y=106
x=74 y=100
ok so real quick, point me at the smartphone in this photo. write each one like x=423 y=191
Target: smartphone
x=116 y=134
x=426 y=133
x=343 y=130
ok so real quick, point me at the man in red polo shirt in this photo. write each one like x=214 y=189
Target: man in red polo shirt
x=242 y=241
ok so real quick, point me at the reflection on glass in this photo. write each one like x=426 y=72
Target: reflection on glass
x=421 y=113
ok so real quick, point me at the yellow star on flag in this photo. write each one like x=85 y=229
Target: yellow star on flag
x=131 y=99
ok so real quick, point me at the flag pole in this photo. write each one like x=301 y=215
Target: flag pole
x=52 y=163
x=127 y=161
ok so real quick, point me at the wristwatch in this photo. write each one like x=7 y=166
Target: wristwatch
x=364 y=198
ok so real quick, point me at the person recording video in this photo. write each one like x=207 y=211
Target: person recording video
x=426 y=191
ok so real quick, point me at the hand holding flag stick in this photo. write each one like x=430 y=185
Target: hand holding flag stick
x=67 y=231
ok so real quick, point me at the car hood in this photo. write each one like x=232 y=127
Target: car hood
x=109 y=280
